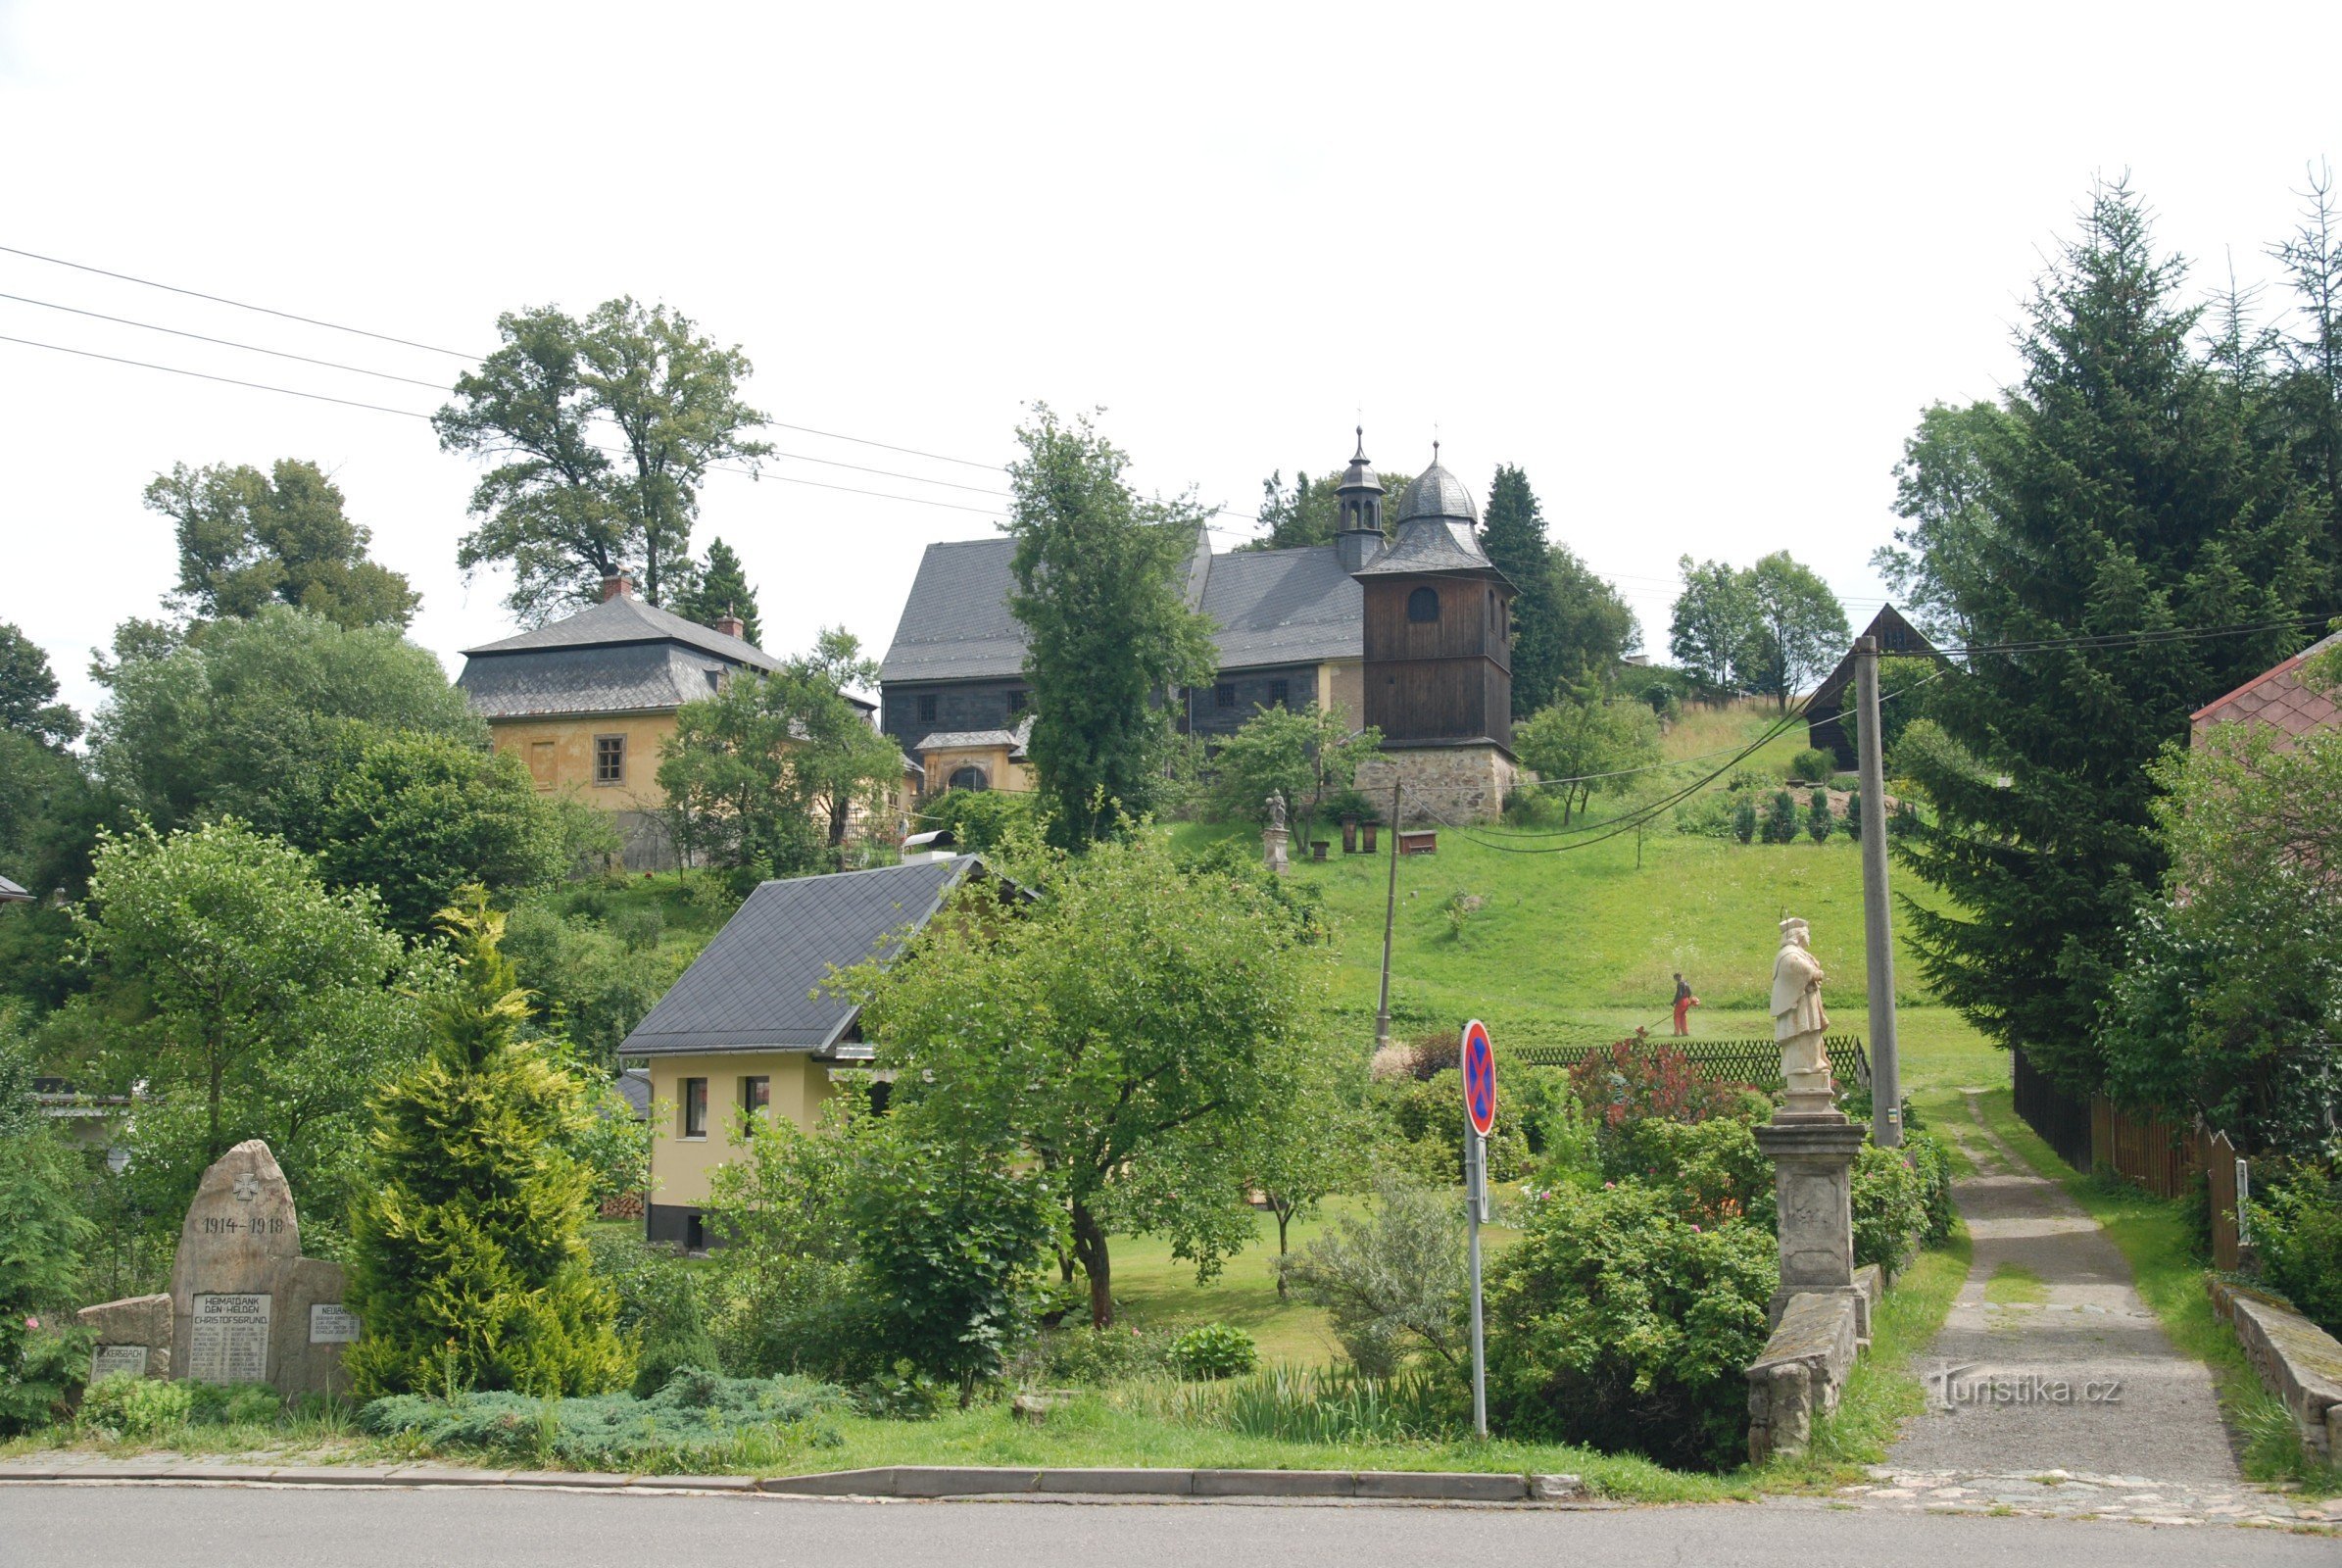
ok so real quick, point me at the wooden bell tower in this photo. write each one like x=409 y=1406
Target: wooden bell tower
x=1438 y=626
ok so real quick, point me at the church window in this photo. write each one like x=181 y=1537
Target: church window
x=610 y=759
x=1224 y=695
x=927 y=709
x=969 y=777
x=1277 y=691
x=1424 y=604
x=1018 y=701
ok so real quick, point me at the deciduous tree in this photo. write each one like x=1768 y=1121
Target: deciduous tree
x=29 y=703
x=248 y=539
x=1306 y=754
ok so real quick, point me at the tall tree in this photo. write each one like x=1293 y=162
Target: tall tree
x=28 y=691
x=1593 y=628
x=2311 y=392
x=603 y=431
x=1713 y=628
x=2127 y=490
x=1800 y=629
x=248 y=539
x=1308 y=512
x=1942 y=494
x=719 y=587
x=1513 y=533
x=1102 y=591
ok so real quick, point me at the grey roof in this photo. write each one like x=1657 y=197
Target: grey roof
x=1436 y=530
x=1436 y=493
x=1284 y=606
x=971 y=739
x=634 y=1087
x=755 y=986
x=957 y=625
x=588 y=680
x=628 y=619
x=10 y=892
x=1360 y=474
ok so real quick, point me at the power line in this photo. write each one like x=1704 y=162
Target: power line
x=227 y=343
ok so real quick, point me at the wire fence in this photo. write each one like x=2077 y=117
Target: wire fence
x=1755 y=1062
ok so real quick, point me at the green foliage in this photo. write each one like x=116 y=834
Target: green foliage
x=1569 y=627
x=2230 y=991
x=1765 y=629
x=1616 y=1323
x=1101 y=593
x=1812 y=765
x=1744 y=819
x=1096 y=1357
x=223 y=723
x=1593 y=628
x=1309 y=755
x=1931 y=1164
x=1308 y=512
x=980 y=822
x=610 y=1144
x=720 y=588
x=1639 y=1079
x=1817 y=818
x=663 y=1309
x=249 y=539
x=28 y=692
x=415 y=817
x=1584 y=735
x=252 y=1001
x=1393 y=1282
x=607 y=426
x=2296 y=1219
x=1905 y=685
x=1330 y=1404
x=1853 y=822
x=1707 y=1171
x=136 y=1407
x=1214 y=1350
x=40 y=1247
x=50 y=814
x=1891 y=1207
x=1780 y=820
x=467 y=1252
x=787 y=1296
x=756 y=772
x=697 y=1421
x=588 y=980
x=2127 y=484
x=1136 y=1031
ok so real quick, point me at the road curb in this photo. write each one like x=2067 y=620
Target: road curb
x=904 y=1482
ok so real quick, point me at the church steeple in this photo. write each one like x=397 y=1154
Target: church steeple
x=1358 y=529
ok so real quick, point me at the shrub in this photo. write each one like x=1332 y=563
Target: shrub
x=786 y=1295
x=1393 y=1282
x=136 y=1407
x=1924 y=1153
x=1708 y=814
x=40 y=1246
x=1095 y=1356
x=1214 y=1350
x=662 y=1307
x=1818 y=820
x=1426 y=1118
x=1616 y=1323
x=1812 y=765
x=1638 y=1077
x=1329 y=1405
x=2296 y=1217
x=696 y=1421
x=1890 y=1212
x=1706 y=1171
x=1744 y=819
x=980 y=820
x=1780 y=820
x=1853 y=824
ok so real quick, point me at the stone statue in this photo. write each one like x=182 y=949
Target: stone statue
x=1276 y=810
x=1798 y=1021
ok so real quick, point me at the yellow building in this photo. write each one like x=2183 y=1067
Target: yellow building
x=588 y=702
x=749 y=1032
x=978 y=758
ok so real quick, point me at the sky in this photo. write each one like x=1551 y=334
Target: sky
x=1696 y=270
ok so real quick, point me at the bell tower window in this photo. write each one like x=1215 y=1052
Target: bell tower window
x=1423 y=605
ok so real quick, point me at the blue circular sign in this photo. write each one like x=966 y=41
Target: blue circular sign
x=1479 y=1078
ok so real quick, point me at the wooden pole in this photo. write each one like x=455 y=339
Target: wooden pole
x=1381 y=1014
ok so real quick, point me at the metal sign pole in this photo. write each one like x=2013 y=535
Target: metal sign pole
x=1476 y=1202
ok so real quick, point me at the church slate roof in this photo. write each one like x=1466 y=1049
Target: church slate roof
x=1268 y=607
x=628 y=619
x=756 y=986
x=1436 y=520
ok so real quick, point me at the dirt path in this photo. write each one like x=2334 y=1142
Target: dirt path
x=2049 y=1360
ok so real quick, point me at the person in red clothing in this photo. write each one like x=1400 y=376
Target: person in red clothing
x=1684 y=1002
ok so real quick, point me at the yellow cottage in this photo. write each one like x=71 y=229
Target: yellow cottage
x=748 y=1031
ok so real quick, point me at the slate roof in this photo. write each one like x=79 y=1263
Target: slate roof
x=1284 y=606
x=626 y=618
x=978 y=739
x=1436 y=493
x=1436 y=521
x=956 y=625
x=2277 y=698
x=754 y=987
x=627 y=678
x=10 y=892
x=634 y=1087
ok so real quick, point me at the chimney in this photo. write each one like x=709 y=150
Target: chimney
x=731 y=625
x=616 y=585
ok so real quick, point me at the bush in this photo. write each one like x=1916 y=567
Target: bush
x=1853 y=824
x=1932 y=1165
x=1327 y=1404
x=1708 y=814
x=1426 y=1118
x=1817 y=820
x=1616 y=1323
x=1639 y=1078
x=1780 y=820
x=1812 y=765
x=1214 y=1350
x=787 y=1297
x=697 y=1421
x=1890 y=1213
x=1707 y=1171
x=1744 y=819
x=981 y=820
x=51 y=1365
x=1094 y=1357
x=2296 y=1217
x=40 y=1246
x=131 y=1407
x=1392 y=1283
x=662 y=1307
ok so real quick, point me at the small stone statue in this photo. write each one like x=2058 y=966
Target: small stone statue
x=1276 y=810
x=1798 y=1021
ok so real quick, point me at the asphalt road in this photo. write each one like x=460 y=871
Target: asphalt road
x=255 y=1527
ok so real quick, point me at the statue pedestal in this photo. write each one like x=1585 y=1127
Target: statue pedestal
x=1813 y=1160
x=1272 y=849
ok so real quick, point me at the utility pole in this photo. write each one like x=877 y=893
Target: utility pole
x=1382 y=1013
x=1879 y=941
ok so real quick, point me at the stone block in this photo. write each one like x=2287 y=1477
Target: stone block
x=1461 y=783
x=1119 y=1482
x=1450 y=1485
x=1800 y=1375
x=1557 y=1488
x=2297 y=1362
x=1813 y=1160
x=136 y=1323
x=878 y=1482
x=1275 y=1484
x=953 y=1481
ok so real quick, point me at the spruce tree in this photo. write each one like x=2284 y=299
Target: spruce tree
x=1818 y=820
x=1513 y=533
x=469 y=1264
x=2125 y=485
x=719 y=588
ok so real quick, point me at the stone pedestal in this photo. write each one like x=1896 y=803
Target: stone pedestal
x=1272 y=849
x=1813 y=1161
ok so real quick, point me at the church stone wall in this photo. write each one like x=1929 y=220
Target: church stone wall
x=1441 y=784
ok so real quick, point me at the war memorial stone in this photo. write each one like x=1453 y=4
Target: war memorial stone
x=244 y=1305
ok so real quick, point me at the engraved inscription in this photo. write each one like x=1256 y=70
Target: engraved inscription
x=331 y=1323
x=108 y=1359
x=230 y=1339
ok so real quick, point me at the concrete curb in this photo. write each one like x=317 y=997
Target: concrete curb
x=925 y=1482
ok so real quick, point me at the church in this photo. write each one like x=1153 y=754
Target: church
x=1406 y=628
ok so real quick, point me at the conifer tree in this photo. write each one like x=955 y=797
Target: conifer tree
x=2125 y=485
x=1513 y=533
x=468 y=1265
x=720 y=587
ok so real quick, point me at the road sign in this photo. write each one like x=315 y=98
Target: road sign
x=1479 y=1078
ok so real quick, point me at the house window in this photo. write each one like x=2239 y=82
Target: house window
x=541 y=763
x=1224 y=695
x=1424 y=604
x=969 y=777
x=755 y=1095
x=695 y=1107
x=927 y=709
x=1016 y=701
x=695 y=1232
x=610 y=759
x=1277 y=693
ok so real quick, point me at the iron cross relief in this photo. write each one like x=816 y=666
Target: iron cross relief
x=247 y=1188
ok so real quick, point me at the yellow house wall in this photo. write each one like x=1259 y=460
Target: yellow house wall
x=680 y=1166
x=568 y=767
x=1342 y=684
x=993 y=760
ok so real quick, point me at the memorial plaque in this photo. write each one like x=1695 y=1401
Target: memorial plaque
x=108 y=1359
x=229 y=1343
x=331 y=1323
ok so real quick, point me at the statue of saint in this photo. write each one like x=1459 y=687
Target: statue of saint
x=1798 y=1021
x=1276 y=810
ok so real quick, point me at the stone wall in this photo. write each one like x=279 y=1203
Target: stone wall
x=2297 y=1361
x=1440 y=783
x=1806 y=1363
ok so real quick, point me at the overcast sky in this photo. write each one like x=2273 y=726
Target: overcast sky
x=1696 y=269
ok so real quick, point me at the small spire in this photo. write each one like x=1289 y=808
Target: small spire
x=1435 y=450
x=1361 y=453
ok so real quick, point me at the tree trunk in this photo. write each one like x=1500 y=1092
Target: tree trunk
x=1090 y=1246
x=1284 y=1213
x=217 y=1067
